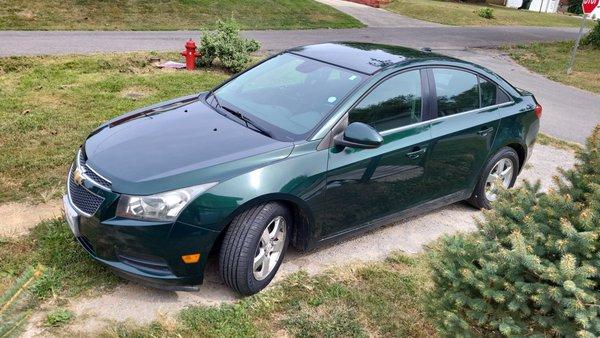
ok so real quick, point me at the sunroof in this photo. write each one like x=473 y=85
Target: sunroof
x=362 y=57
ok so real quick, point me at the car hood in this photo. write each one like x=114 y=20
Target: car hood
x=176 y=144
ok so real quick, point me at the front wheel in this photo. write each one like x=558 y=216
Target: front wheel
x=254 y=246
x=499 y=173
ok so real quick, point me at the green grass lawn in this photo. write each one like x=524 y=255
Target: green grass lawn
x=63 y=270
x=464 y=14
x=69 y=271
x=48 y=105
x=167 y=14
x=387 y=298
x=380 y=299
x=550 y=60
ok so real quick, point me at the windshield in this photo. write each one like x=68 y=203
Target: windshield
x=288 y=95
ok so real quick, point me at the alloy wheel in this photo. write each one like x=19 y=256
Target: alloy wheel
x=499 y=178
x=270 y=248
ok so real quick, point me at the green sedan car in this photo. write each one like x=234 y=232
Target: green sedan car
x=310 y=146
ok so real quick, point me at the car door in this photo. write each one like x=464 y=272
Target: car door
x=364 y=185
x=465 y=122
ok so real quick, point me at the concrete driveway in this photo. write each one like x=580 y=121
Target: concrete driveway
x=376 y=17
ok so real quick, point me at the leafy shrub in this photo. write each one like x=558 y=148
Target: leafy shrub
x=575 y=7
x=226 y=44
x=593 y=37
x=533 y=267
x=59 y=317
x=486 y=13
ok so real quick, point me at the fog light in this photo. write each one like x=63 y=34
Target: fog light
x=190 y=259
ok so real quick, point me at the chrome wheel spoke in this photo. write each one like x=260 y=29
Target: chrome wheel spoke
x=270 y=248
x=278 y=245
x=265 y=238
x=264 y=268
x=259 y=259
x=499 y=177
x=276 y=225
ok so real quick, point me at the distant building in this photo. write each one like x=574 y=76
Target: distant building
x=596 y=13
x=543 y=6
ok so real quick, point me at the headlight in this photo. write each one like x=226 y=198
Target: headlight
x=165 y=206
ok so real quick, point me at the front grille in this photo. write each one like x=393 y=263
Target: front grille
x=83 y=199
x=91 y=174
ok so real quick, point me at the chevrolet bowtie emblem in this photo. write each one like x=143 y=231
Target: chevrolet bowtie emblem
x=78 y=176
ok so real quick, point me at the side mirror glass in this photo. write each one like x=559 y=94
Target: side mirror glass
x=358 y=135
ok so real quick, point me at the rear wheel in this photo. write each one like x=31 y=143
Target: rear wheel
x=499 y=173
x=254 y=246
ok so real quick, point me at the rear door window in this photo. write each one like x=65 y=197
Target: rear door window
x=457 y=91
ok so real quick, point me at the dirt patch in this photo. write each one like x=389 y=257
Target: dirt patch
x=136 y=92
x=138 y=304
x=26 y=15
x=17 y=218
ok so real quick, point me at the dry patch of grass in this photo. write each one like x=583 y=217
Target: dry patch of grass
x=63 y=268
x=557 y=143
x=48 y=105
x=464 y=14
x=550 y=60
x=137 y=92
x=378 y=299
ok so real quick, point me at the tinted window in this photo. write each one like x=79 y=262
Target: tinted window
x=394 y=103
x=457 y=91
x=491 y=94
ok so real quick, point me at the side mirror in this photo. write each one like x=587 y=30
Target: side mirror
x=358 y=135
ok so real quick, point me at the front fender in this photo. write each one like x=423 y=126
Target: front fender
x=298 y=179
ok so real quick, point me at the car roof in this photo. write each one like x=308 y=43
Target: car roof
x=366 y=58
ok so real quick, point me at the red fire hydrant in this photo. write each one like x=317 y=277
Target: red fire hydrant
x=190 y=55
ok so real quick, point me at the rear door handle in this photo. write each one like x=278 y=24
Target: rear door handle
x=485 y=132
x=416 y=153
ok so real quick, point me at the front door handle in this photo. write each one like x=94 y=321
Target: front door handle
x=416 y=153
x=485 y=132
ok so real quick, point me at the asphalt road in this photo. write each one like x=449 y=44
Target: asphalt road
x=569 y=113
x=14 y=43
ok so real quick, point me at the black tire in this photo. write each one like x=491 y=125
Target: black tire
x=240 y=245
x=478 y=198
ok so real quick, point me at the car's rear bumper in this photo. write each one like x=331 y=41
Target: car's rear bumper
x=146 y=252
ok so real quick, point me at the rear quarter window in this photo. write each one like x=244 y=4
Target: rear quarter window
x=457 y=91
x=491 y=94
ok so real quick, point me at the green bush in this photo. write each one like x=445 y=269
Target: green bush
x=593 y=37
x=226 y=44
x=533 y=267
x=575 y=7
x=59 y=317
x=486 y=13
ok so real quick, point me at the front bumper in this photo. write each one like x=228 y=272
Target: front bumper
x=146 y=252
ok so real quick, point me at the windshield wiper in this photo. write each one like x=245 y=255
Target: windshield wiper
x=241 y=116
x=211 y=93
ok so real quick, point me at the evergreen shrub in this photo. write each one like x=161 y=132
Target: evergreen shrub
x=533 y=266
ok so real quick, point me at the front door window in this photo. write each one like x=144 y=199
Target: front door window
x=394 y=103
